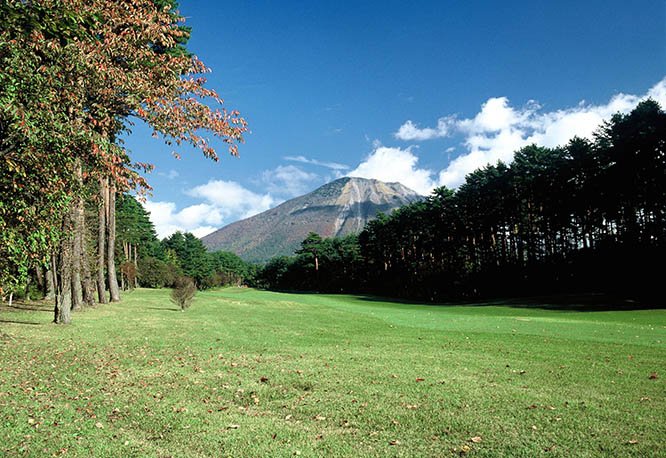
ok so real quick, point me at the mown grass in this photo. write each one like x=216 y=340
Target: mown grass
x=251 y=373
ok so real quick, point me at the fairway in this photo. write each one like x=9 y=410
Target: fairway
x=253 y=373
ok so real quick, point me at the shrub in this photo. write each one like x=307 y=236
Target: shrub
x=183 y=292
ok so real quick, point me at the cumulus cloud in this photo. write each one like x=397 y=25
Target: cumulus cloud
x=410 y=131
x=199 y=219
x=288 y=180
x=306 y=160
x=224 y=202
x=499 y=129
x=395 y=164
x=232 y=199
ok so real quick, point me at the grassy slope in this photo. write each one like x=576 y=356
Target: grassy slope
x=249 y=373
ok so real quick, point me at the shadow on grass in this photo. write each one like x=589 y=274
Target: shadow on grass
x=32 y=323
x=164 y=308
x=590 y=302
x=564 y=303
x=28 y=307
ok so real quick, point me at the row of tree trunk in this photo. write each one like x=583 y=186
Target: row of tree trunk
x=70 y=280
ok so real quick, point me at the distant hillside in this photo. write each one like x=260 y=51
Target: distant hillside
x=338 y=208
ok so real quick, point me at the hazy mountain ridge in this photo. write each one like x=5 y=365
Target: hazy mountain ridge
x=338 y=208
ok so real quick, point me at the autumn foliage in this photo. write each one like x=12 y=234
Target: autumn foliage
x=74 y=75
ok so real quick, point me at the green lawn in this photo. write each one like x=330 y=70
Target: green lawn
x=250 y=373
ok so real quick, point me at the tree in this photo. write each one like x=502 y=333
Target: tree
x=73 y=72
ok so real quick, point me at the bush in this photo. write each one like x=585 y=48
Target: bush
x=155 y=273
x=183 y=292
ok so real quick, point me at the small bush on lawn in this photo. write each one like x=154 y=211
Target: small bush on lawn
x=183 y=292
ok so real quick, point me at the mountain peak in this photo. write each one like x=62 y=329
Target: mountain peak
x=338 y=208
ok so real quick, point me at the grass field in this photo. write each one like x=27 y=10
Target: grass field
x=249 y=373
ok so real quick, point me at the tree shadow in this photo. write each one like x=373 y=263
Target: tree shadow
x=565 y=302
x=27 y=306
x=32 y=323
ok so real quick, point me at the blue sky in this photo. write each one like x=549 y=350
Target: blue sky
x=418 y=92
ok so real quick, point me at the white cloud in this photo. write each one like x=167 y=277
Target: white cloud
x=288 y=180
x=203 y=230
x=306 y=160
x=410 y=131
x=195 y=218
x=224 y=202
x=499 y=129
x=171 y=174
x=231 y=199
x=395 y=164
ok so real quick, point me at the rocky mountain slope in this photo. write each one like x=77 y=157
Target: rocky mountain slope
x=335 y=209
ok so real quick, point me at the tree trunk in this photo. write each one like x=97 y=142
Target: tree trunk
x=77 y=290
x=50 y=285
x=111 y=243
x=63 y=304
x=86 y=276
x=136 y=268
x=101 y=239
x=39 y=273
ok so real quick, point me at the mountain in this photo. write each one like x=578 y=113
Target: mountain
x=338 y=208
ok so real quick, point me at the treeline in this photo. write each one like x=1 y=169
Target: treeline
x=74 y=76
x=142 y=260
x=145 y=261
x=587 y=216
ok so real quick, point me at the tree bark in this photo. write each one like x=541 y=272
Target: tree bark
x=101 y=242
x=86 y=276
x=111 y=243
x=77 y=290
x=50 y=285
x=63 y=303
x=136 y=267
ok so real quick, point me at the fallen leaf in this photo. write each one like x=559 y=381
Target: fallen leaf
x=233 y=426
x=394 y=442
x=420 y=379
x=263 y=379
x=533 y=406
x=465 y=448
x=653 y=376
x=633 y=441
x=319 y=418
x=99 y=425
x=476 y=439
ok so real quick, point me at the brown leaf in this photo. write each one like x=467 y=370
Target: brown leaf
x=99 y=425
x=476 y=439
x=653 y=376
x=233 y=426
x=263 y=379
x=420 y=379
x=632 y=441
x=394 y=442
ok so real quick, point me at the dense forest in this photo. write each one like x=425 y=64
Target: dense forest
x=74 y=77
x=589 y=216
